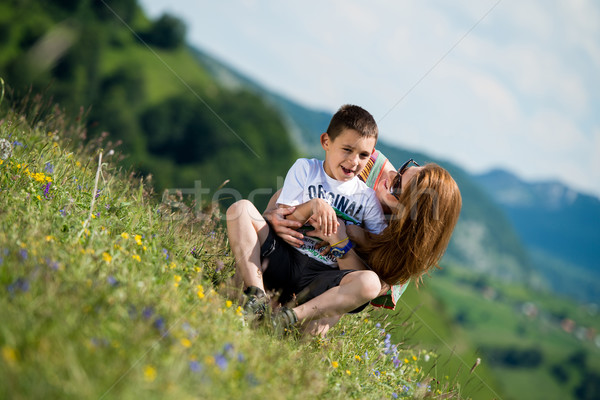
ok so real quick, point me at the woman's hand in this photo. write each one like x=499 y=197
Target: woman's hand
x=285 y=228
x=340 y=235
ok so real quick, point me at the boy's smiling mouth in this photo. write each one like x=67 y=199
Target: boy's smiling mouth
x=347 y=171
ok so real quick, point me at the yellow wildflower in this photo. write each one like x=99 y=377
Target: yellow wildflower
x=348 y=372
x=172 y=265
x=417 y=370
x=78 y=163
x=200 y=291
x=9 y=354
x=185 y=342
x=335 y=364
x=209 y=360
x=125 y=235
x=228 y=303
x=414 y=358
x=136 y=258
x=357 y=357
x=238 y=311
x=149 y=373
x=138 y=240
x=49 y=238
x=406 y=361
x=106 y=257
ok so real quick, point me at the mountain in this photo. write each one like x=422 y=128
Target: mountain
x=559 y=226
x=484 y=238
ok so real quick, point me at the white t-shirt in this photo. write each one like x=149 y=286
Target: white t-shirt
x=352 y=200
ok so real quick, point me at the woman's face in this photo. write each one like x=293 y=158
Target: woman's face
x=387 y=200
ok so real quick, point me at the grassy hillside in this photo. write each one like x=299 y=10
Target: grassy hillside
x=106 y=293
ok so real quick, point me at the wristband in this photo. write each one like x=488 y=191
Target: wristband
x=340 y=252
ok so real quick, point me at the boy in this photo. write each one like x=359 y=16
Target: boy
x=319 y=191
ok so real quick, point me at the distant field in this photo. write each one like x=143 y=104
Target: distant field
x=522 y=357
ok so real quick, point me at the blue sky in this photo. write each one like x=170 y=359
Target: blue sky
x=481 y=83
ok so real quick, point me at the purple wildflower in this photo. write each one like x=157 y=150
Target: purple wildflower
x=112 y=281
x=221 y=361
x=47 y=189
x=227 y=348
x=49 y=168
x=62 y=212
x=147 y=312
x=52 y=264
x=394 y=395
x=23 y=253
x=195 y=366
x=159 y=323
x=19 y=285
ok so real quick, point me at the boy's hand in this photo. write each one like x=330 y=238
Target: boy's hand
x=323 y=217
x=285 y=228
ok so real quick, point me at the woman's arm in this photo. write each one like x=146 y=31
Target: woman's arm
x=358 y=235
x=283 y=227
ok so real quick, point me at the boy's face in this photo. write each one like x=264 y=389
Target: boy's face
x=347 y=155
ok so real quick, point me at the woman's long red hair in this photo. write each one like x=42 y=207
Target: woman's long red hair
x=419 y=230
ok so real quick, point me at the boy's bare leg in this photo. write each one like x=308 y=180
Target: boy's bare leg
x=355 y=289
x=247 y=231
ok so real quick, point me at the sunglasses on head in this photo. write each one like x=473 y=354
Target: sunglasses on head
x=396 y=186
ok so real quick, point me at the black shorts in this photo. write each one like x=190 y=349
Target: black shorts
x=295 y=276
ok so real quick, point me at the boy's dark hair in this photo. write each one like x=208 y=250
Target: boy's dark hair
x=352 y=117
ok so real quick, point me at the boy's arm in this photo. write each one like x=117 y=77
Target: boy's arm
x=318 y=213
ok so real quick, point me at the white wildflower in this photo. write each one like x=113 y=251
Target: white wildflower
x=5 y=149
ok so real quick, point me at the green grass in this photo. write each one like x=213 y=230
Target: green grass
x=456 y=309
x=108 y=294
